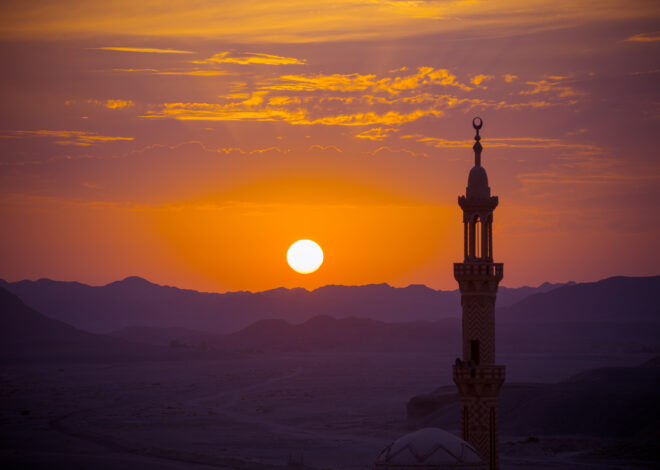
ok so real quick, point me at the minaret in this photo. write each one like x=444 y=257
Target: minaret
x=477 y=377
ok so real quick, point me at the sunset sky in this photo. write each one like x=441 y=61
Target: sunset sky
x=192 y=143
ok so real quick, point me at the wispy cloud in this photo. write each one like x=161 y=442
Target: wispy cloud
x=250 y=58
x=377 y=133
x=645 y=37
x=425 y=76
x=119 y=104
x=297 y=116
x=508 y=142
x=479 y=79
x=135 y=70
x=148 y=50
x=364 y=100
x=194 y=73
x=554 y=85
x=78 y=138
x=110 y=104
x=265 y=21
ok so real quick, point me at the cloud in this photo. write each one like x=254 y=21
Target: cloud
x=136 y=70
x=507 y=142
x=325 y=148
x=110 y=104
x=553 y=85
x=387 y=150
x=246 y=110
x=509 y=77
x=293 y=21
x=333 y=82
x=377 y=133
x=149 y=50
x=645 y=37
x=194 y=73
x=479 y=79
x=197 y=73
x=576 y=170
x=250 y=58
x=425 y=76
x=79 y=138
x=283 y=100
x=119 y=104
x=249 y=110
x=361 y=100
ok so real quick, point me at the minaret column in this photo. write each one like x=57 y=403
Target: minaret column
x=490 y=238
x=473 y=235
x=484 y=238
x=476 y=374
x=465 y=240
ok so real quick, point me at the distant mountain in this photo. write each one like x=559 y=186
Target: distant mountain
x=137 y=302
x=27 y=335
x=616 y=299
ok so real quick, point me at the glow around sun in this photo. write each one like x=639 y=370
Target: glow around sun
x=305 y=256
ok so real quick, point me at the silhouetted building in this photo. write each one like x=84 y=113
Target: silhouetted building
x=477 y=377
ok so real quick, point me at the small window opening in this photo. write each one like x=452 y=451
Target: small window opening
x=474 y=351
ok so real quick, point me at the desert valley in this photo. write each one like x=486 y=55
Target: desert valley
x=285 y=379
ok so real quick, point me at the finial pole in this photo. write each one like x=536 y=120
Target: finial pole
x=477 y=123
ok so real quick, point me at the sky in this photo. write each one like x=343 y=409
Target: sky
x=192 y=142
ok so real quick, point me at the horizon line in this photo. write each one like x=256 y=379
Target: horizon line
x=304 y=288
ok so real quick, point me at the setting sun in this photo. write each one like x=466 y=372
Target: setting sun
x=305 y=256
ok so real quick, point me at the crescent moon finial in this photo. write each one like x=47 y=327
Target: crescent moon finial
x=477 y=122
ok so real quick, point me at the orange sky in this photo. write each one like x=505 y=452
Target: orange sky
x=191 y=145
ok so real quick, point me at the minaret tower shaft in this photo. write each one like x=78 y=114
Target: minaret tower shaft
x=477 y=377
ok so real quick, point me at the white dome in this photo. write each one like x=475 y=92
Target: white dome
x=431 y=447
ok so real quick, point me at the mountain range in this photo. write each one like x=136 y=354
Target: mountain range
x=615 y=315
x=28 y=336
x=137 y=302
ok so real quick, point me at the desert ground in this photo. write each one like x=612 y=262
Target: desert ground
x=312 y=411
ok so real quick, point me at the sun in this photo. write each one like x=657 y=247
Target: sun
x=305 y=256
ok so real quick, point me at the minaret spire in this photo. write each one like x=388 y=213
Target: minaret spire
x=477 y=123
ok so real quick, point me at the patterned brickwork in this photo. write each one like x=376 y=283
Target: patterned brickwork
x=479 y=424
x=479 y=384
x=479 y=324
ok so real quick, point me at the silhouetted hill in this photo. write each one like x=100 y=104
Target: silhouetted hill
x=325 y=333
x=137 y=302
x=619 y=299
x=27 y=335
x=162 y=336
x=612 y=402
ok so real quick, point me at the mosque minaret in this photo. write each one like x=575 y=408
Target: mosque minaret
x=476 y=375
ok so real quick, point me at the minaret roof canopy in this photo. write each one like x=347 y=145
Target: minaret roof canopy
x=477 y=187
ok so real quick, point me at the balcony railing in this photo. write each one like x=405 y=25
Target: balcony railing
x=480 y=373
x=478 y=270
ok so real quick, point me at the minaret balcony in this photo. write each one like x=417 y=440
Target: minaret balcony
x=481 y=381
x=478 y=271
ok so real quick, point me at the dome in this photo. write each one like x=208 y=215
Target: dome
x=431 y=448
x=478 y=183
